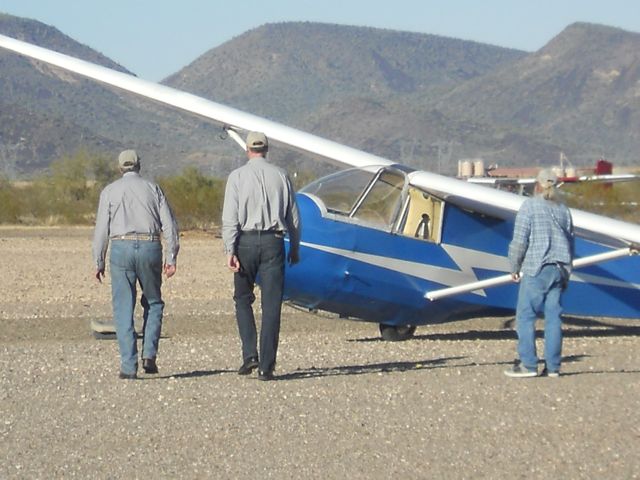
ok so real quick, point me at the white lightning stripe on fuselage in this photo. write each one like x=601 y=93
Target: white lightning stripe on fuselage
x=466 y=259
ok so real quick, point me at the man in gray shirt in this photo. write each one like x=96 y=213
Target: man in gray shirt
x=259 y=207
x=131 y=214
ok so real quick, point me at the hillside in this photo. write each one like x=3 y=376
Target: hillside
x=47 y=113
x=424 y=137
x=287 y=70
x=580 y=91
x=577 y=95
x=420 y=99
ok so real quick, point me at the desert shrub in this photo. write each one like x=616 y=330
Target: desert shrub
x=9 y=203
x=69 y=190
x=69 y=194
x=101 y=170
x=617 y=200
x=37 y=201
x=196 y=199
x=63 y=196
x=302 y=178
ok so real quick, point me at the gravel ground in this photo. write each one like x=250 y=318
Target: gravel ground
x=344 y=405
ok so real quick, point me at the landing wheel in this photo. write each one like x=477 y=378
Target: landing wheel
x=393 y=333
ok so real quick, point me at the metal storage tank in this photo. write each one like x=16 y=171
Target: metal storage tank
x=478 y=168
x=465 y=168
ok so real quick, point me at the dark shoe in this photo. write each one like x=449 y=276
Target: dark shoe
x=248 y=366
x=149 y=365
x=127 y=376
x=520 y=371
x=265 y=375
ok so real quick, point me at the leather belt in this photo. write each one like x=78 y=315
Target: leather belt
x=147 y=237
x=262 y=232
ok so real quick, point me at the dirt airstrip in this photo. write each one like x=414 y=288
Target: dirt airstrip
x=344 y=405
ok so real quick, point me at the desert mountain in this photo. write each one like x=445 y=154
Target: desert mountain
x=288 y=70
x=421 y=99
x=581 y=91
x=47 y=113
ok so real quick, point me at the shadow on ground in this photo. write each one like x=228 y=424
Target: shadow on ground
x=574 y=327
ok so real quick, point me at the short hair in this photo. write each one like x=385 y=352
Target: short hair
x=259 y=150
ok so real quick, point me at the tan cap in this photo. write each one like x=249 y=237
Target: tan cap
x=257 y=141
x=128 y=159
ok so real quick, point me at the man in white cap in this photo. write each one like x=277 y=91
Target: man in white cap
x=132 y=214
x=259 y=207
x=541 y=255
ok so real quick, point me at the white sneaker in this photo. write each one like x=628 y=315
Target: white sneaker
x=520 y=371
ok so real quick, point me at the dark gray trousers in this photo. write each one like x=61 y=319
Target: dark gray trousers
x=262 y=257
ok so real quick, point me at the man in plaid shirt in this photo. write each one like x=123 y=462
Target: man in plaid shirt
x=540 y=255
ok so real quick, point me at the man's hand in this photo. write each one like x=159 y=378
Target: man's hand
x=99 y=275
x=170 y=270
x=233 y=263
x=293 y=257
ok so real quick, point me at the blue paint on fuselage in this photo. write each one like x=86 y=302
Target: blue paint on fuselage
x=475 y=231
x=337 y=283
x=342 y=283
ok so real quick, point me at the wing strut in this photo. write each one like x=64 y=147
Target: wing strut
x=503 y=279
x=235 y=136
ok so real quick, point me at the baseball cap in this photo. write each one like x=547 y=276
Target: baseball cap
x=547 y=178
x=128 y=158
x=257 y=140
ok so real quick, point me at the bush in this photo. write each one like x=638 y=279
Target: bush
x=69 y=194
x=617 y=200
x=196 y=200
x=9 y=203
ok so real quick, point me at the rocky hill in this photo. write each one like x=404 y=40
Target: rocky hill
x=421 y=99
x=47 y=113
x=288 y=70
x=581 y=92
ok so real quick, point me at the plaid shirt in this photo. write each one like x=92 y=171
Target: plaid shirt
x=543 y=234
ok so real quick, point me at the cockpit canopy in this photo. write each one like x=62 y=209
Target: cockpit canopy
x=381 y=198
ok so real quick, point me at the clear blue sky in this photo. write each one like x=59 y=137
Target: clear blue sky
x=155 y=38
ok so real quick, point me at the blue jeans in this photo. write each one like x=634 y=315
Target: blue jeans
x=540 y=295
x=259 y=254
x=130 y=262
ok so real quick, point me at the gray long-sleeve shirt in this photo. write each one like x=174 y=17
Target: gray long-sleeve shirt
x=132 y=205
x=259 y=196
